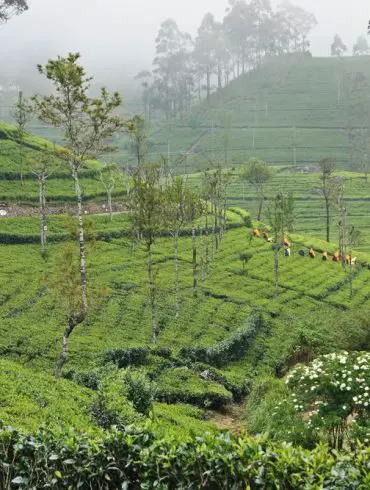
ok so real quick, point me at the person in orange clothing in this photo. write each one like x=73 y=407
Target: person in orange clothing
x=325 y=256
x=256 y=233
x=312 y=253
x=336 y=257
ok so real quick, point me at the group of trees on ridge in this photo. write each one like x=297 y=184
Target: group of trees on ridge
x=185 y=68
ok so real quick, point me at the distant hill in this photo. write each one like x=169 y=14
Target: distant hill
x=292 y=110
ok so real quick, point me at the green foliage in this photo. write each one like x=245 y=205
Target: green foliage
x=230 y=349
x=131 y=356
x=135 y=459
x=335 y=391
x=139 y=389
x=182 y=385
x=30 y=399
x=270 y=411
x=112 y=406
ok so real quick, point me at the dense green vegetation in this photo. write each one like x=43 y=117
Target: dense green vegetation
x=135 y=459
x=231 y=340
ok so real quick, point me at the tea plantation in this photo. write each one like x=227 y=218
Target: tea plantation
x=131 y=414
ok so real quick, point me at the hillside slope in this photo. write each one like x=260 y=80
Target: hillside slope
x=292 y=102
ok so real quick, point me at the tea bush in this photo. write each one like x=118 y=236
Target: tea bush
x=136 y=459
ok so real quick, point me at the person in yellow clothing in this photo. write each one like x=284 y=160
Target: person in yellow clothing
x=256 y=233
x=336 y=257
x=325 y=256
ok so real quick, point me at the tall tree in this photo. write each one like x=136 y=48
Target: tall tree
x=145 y=77
x=146 y=206
x=22 y=113
x=298 y=24
x=361 y=47
x=280 y=215
x=8 y=8
x=174 y=77
x=211 y=52
x=139 y=139
x=338 y=48
x=86 y=124
x=328 y=188
x=258 y=174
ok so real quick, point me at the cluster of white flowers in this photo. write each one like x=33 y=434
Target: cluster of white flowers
x=347 y=373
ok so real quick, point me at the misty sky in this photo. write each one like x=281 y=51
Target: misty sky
x=117 y=36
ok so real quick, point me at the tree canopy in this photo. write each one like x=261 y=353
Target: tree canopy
x=8 y=8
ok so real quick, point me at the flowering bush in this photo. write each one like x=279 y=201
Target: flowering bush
x=333 y=394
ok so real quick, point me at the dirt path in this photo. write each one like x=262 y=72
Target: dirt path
x=231 y=419
x=15 y=210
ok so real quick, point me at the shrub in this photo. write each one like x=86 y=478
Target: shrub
x=333 y=391
x=231 y=349
x=182 y=385
x=139 y=390
x=111 y=405
x=131 y=356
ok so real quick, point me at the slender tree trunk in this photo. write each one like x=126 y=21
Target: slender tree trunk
x=276 y=267
x=219 y=76
x=208 y=85
x=110 y=209
x=21 y=161
x=207 y=238
x=177 y=299
x=350 y=270
x=42 y=211
x=152 y=295
x=216 y=227
x=195 y=268
x=81 y=240
x=73 y=321
x=260 y=209
x=327 y=206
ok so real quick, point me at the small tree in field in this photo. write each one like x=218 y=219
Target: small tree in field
x=333 y=392
x=280 y=215
x=147 y=202
x=68 y=291
x=328 y=188
x=86 y=124
x=258 y=174
x=109 y=176
x=22 y=114
x=196 y=209
x=176 y=212
x=42 y=167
